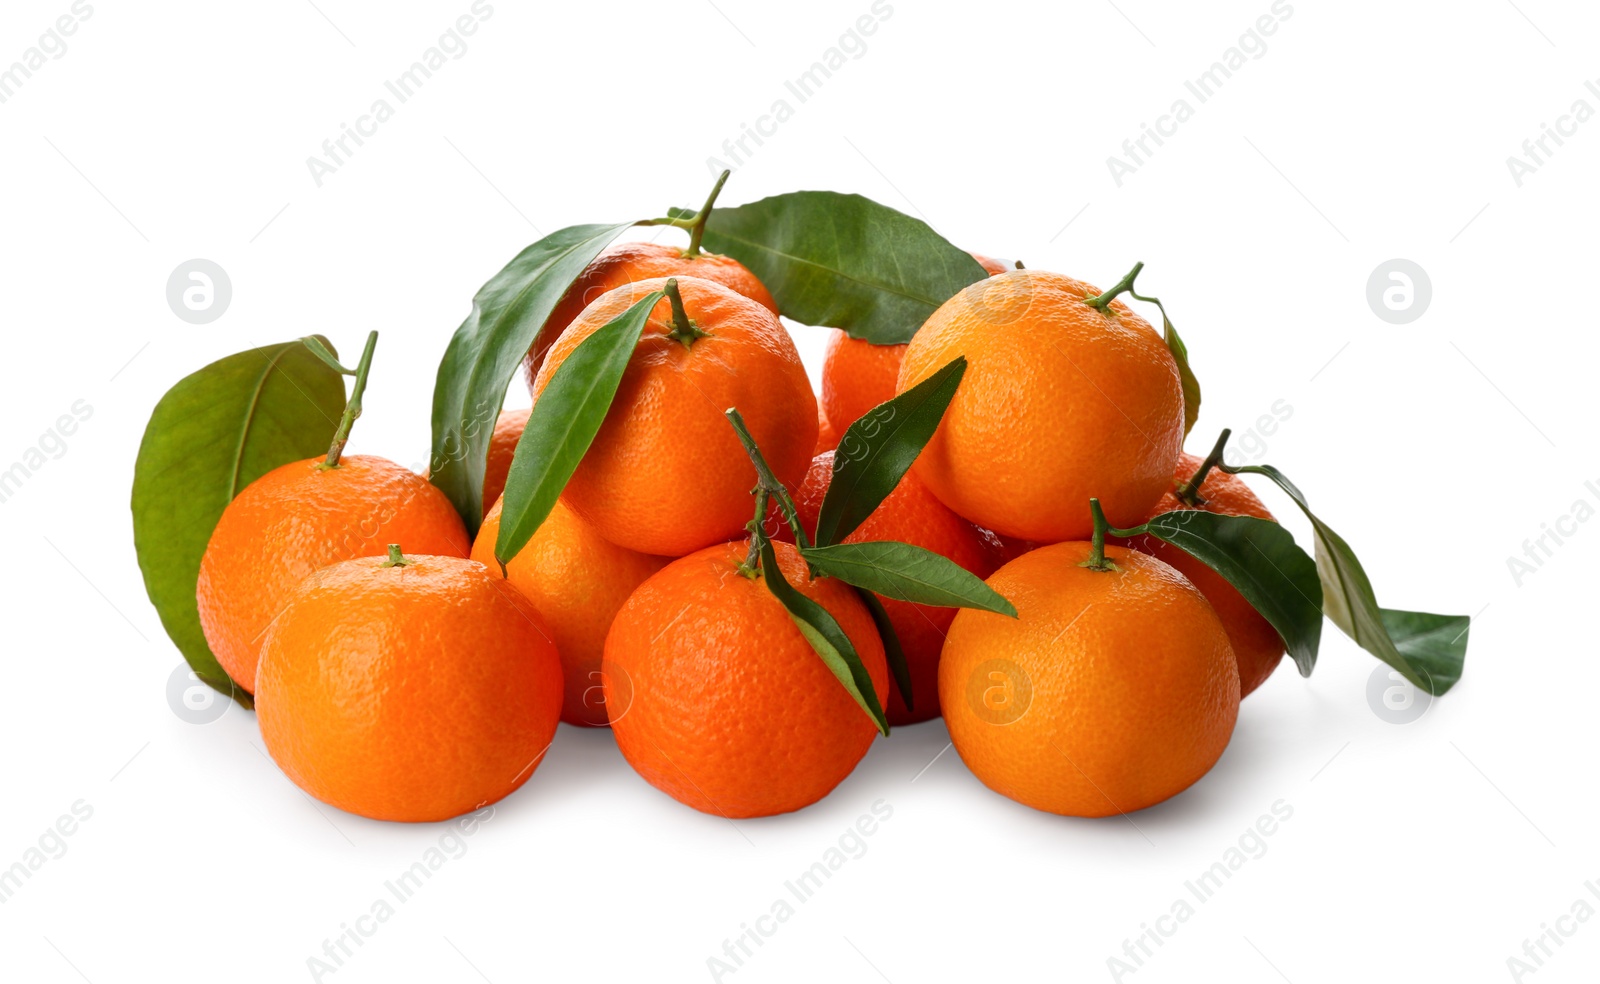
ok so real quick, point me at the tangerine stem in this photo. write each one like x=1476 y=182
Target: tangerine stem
x=683 y=329
x=1097 y=545
x=1102 y=301
x=698 y=230
x=1188 y=492
x=767 y=481
x=396 y=558
x=352 y=408
x=757 y=527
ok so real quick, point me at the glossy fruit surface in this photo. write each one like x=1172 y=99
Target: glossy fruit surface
x=1256 y=643
x=827 y=437
x=300 y=517
x=415 y=692
x=719 y=701
x=1060 y=402
x=666 y=473
x=1112 y=690
x=577 y=579
x=508 y=429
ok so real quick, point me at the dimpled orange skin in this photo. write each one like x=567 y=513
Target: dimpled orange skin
x=577 y=579
x=412 y=693
x=666 y=474
x=1256 y=643
x=508 y=428
x=911 y=515
x=827 y=437
x=718 y=700
x=1060 y=403
x=858 y=375
x=300 y=517
x=626 y=263
x=1134 y=688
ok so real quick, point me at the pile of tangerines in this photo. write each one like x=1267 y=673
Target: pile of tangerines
x=679 y=588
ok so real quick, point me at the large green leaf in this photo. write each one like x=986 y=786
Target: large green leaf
x=843 y=261
x=825 y=635
x=508 y=314
x=211 y=435
x=877 y=450
x=1430 y=649
x=907 y=573
x=1260 y=559
x=563 y=424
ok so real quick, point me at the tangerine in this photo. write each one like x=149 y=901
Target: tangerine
x=411 y=689
x=1111 y=691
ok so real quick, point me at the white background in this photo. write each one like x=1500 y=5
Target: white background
x=1366 y=131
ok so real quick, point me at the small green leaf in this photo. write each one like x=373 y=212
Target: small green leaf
x=843 y=261
x=907 y=573
x=891 y=645
x=508 y=315
x=563 y=424
x=1191 y=385
x=1434 y=646
x=825 y=636
x=877 y=450
x=1260 y=559
x=215 y=432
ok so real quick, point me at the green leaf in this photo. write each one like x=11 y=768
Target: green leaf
x=877 y=450
x=891 y=645
x=1260 y=559
x=907 y=573
x=1191 y=385
x=563 y=424
x=825 y=636
x=211 y=435
x=843 y=261
x=1435 y=646
x=508 y=315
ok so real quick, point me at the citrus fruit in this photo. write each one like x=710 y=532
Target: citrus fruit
x=414 y=689
x=508 y=429
x=300 y=517
x=1111 y=691
x=718 y=700
x=991 y=265
x=827 y=437
x=1256 y=644
x=666 y=474
x=858 y=375
x=1061 y=402
x=911 y=515
x=577 y=579
x=628 y=263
